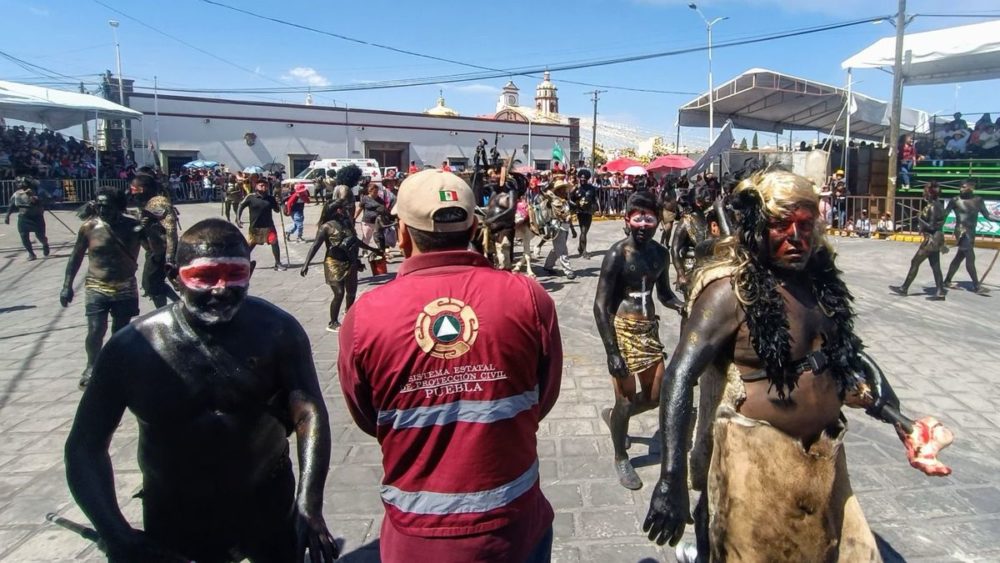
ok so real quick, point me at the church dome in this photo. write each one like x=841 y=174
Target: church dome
x=441 y=110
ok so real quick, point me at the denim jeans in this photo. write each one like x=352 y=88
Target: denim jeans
x=904 y=174
x=298 y=223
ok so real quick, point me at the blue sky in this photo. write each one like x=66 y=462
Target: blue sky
x=72 y=37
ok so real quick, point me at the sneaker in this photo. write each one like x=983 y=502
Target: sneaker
x=570 y=275
x=898 y=290
x=280 y=266
x=939 y=296
x=45 y=250
x=84 y=378
x=686 y=552
x=333 y=327
x=981 y=290
x=300 y=239
x=32 y=257
x=627 y=475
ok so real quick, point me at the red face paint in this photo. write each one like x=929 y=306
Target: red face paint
x=204 y=274
x=790 y=238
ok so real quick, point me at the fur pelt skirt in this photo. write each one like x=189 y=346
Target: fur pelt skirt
x=771 y=500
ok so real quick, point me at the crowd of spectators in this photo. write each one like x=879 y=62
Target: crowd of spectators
x=48 y=154
x=957 y=140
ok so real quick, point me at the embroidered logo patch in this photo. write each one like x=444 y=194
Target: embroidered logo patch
x=446 y=328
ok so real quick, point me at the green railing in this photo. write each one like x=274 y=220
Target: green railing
x=950 y=174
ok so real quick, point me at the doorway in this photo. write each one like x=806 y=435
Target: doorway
x=175 y=160
x=388 y=154
x=299 y=162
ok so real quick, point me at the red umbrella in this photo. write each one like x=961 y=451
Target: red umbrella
x=620 y=164
x=670 y=161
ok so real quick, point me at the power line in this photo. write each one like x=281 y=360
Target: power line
x=33 y=68
x=185 y=43
x=418 y=54
x=468 y=77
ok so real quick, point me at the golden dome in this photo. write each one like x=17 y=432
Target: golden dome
x=441 y=110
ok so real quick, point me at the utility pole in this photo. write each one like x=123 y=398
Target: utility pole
x=86 y=129
x=897 y=110
x=593 y=136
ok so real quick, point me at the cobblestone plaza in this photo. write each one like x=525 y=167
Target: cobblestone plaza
x=942 y=358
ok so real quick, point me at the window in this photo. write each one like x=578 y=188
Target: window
x=458 y=164
x=542 y=164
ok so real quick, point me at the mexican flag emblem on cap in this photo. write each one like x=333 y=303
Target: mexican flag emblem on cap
x=448 y=195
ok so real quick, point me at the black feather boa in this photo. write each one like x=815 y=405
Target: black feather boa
x=765 y=309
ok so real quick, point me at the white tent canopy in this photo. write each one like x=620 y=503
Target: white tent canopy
x=765 y=100
x=57 y=109
x=956 y=54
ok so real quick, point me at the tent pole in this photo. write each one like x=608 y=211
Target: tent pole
x=156 y=122
x=897 y=109
x=677 y=146
x=847 y=128
x=97 y=153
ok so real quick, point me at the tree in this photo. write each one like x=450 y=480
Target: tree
x=753 y=146
x=627 y=152
x=600 y=156
x=743 y=144
x=659 y=147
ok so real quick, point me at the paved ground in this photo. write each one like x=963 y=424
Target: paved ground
x=942 y=357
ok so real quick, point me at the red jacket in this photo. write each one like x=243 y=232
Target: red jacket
x=451 y=366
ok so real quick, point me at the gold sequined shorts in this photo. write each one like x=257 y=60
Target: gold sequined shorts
x=335 y=270
x=639 y=342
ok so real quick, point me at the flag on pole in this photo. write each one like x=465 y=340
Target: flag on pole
x=557 y=154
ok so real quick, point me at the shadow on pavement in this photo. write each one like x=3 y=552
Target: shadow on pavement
x=888 y=553
x=368 y=553
x=17 y=308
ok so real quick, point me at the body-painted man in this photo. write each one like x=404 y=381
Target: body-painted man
x=555 y=198
x=967 y=207
x=235 y=192
x=629 y=327
x=111 y=240
x=690 y=235
x=30 y=216
x=583 y=200
x=262 y=230
x=770 y=324
x=341 y=265
x=499 y=222
x=347 y=181
x=218 y=381
x=930 y=220
x=159 y=219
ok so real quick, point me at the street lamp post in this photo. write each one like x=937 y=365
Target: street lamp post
x=121 y=88
x=711 y=94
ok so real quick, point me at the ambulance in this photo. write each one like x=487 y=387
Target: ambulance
x=318 y=170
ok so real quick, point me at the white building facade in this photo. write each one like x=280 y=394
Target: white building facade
x=241 y=133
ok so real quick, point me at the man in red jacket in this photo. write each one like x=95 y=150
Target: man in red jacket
x=451 y=366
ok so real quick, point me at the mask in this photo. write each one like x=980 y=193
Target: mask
x=213 y=289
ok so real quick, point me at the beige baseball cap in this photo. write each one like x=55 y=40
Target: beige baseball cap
x=435 y=201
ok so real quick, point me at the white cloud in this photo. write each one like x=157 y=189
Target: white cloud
x=477 y=89
x=307 y=75
x=44 y=12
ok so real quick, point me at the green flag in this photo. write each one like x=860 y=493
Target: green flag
x=557 y=154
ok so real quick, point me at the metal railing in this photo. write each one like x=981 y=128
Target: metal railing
x=72 y=191
x=845 y=213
